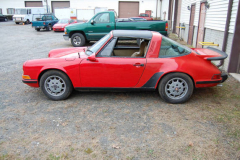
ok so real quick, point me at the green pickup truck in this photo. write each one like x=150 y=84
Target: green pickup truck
x=102 y=23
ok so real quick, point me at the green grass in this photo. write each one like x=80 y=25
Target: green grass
x=88 y=150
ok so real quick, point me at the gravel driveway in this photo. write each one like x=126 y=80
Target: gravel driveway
x=103 y=125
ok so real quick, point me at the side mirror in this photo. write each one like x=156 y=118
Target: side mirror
x=92 y=21
x=92 y=58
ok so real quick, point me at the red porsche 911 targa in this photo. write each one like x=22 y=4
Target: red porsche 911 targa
x=127 y=60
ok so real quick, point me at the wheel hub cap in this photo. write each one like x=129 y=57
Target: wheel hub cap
x=176 y=88
x=77 y=40
x=55 y=85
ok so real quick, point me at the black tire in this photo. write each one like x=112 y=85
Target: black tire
x=59 y=89
x=5 y=19
x=179 y=84
x=28 y=22
x=78 y=40
x=38 y=29
x=17 y=22
x=49 y=28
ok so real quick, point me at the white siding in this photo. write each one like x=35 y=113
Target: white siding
x=196 y=18
x=216 y=15
x=164 y=8
x=233 y=16
x=185 y=13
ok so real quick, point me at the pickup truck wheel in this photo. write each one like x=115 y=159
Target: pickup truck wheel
x=38 y=29
x=176 y=88
x=56 y=85
x=77 y=40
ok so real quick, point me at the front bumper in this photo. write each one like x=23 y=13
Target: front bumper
x=66 y=37
x=31 y=82
x=58 y=29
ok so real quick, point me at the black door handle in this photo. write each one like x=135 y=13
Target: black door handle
x=138 y=64
x=108 y=26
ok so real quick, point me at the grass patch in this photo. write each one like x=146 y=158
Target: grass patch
x=53 y=157
x=88 y=150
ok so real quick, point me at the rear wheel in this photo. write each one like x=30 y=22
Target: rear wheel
x=17 y=22
x=5 y=19
x=56 y=85
x=38 y=29
x=176 y=88
x=78 y=40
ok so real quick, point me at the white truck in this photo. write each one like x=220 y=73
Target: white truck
x=24 y=15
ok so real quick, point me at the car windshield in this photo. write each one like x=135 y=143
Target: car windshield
x=144 y=15
x=21 y=11
x=97 y=45
x=63 y=21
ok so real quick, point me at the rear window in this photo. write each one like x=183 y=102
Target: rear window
x=170 y=48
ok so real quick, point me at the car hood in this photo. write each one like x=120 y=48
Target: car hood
x=67 y=52
x=61 y=25
x=76 y=26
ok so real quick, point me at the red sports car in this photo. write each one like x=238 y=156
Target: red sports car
x=62 y=24
x=117 y=62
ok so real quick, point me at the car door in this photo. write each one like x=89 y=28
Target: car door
x=99 y=27
x=108 y=71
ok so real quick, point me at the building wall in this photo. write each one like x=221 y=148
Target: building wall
x=87 y=4
x=4 y=4
x=195 y=36
x=164 y=8
x=228 y=50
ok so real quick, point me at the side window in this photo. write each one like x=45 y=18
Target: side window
x=71 y=21
x=48 y=18
x=10 y=11
x=102 y=18
x=29 y=11
x=108 y=49
x=169 y=48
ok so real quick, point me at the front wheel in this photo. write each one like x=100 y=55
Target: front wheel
x=56 y=85
x=6 y=19
x=176 y=88
x=78 y=40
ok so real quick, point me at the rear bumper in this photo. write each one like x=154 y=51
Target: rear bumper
x=66 y=37
x=224 y=77
x=211 y=83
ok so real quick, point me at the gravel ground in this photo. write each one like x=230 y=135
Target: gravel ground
x=103 y=125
